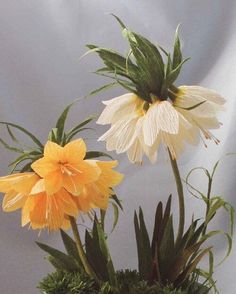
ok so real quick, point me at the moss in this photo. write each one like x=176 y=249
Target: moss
x=62 y=282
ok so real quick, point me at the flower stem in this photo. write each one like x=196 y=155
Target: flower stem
x=87 y=267
x=180 y=191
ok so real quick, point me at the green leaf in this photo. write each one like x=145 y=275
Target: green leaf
x=60 y=124
x=18 y=160
x=95 y=154
x=98 y=254
x=11 y=148
x=157 y=228
x=192 y=107
x=26 y=167
x=175 y=73
x=116 y=216
x=70 y=247
x=177 y=54
x=167 y=247
x=182 y=260
x=53 y=135
x=56 y=263
x=103 y=88
x=106 y=254
x=143 y=246
x=71 y=136
x=119 y=21
x=95 y=257
x=191 y=267
x=80 y=125
x=68 y=261
x=220 y=232
x=116 y=200
x=33 y=138
x=14 y=139
x=114 y=61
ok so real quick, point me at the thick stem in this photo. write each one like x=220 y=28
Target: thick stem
x=84 y=260
x=180 y=191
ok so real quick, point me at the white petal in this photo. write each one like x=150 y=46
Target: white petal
x=117 y=108
x=150 y=127
x=208 y=122
x=112 y=131
x=205 y=93
x=121 y=135
x=167 y=118
x=126 y=135
x=150 y=151
x=174 y=144
x=135 y=152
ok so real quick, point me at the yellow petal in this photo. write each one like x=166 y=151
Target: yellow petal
x=25 y=213
x=53 y=151
x=72 y=184
x=38 y=215
x=109 y=176
x=13 y=201
x=10 y=182
x=39 y=187
x=53 y=182
x=25 y=184
x=82 y=201
x=66 y=203
x=44 y=166
x=55 y=216
x=85 y=172
x=75 y=151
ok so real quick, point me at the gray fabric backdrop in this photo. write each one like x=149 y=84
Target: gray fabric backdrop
x=40 y=73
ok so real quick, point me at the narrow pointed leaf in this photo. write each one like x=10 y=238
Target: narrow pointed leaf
x=70 y=247
x=33 y=138
x=68 y=261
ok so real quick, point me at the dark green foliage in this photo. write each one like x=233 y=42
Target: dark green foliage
x=98 y=254
x=129 y=282
x=142 y=71
x=59 y=259
x=163 y=260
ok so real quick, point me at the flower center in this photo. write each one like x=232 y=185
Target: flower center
x=68 y=169
x=141 y=107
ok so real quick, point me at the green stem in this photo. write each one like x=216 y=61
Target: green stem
x=87 y=267
x=208 y=203
x=180 y=191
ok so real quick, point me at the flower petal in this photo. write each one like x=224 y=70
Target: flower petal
x=117 y=108
x=66 y=203
x=75 y=151
x=13 y=201
x=53 y=151
x=53 y=182
x=135 y=152
x=44 y=166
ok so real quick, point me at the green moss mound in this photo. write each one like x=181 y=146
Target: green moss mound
x=62 y=282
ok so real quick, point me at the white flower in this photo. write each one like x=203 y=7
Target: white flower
x=138 y=127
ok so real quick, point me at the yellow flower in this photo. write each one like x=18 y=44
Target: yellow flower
x=138 y=127
x=26 y=191
x=65 y=167
x=96 y=194
x=17 y=188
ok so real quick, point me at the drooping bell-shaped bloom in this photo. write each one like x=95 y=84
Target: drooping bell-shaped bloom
x=139 y=127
